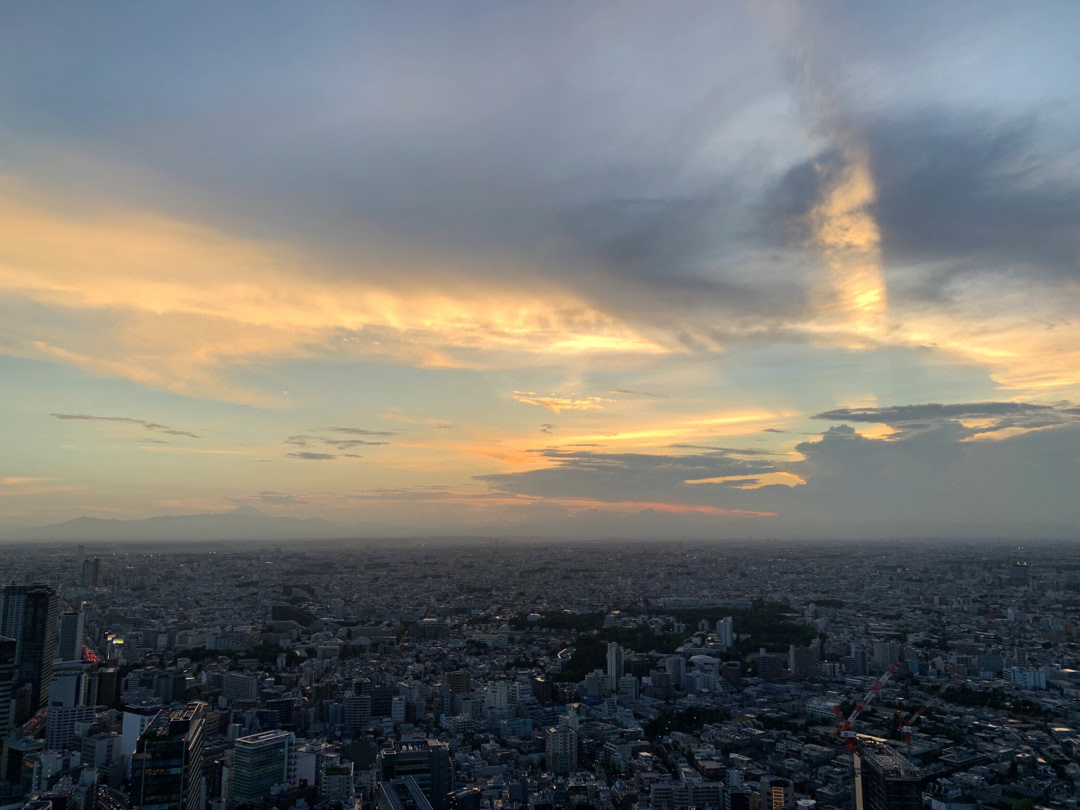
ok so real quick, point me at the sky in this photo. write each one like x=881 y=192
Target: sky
x=641 y=270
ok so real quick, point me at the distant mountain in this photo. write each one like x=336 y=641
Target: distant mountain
x=243 y=523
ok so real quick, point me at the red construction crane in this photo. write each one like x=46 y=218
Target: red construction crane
x=843 y=726
x=905 y=724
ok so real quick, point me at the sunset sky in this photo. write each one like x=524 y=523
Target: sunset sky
x=560 y=269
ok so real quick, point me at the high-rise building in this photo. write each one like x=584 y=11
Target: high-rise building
x=70 y=635
x=8 y=670
x=885 y=779
x=166 y=768
x=561 y=748
x=426 y=761
x=261 y=762
x=136 y=718
x=28 y=615
x=91 y=572
x=725 y=630
x=614 y=665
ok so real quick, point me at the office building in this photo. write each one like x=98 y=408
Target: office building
x=91 y=572
x=885 y=779
x=402 y=793
x=135 y=720
x=70 y=635
x=261 y=763
x=8 y=670
x=614 y=666
x=166 y=768
x=426 y=761
x=237 y=687
x=28 y=615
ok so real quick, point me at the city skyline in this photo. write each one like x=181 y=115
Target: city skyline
x=758 y=270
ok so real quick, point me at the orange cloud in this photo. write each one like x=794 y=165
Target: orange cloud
x=174 y=302
x=558 y=404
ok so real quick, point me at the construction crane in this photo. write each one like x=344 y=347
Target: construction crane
x=843 y=725
x=905 y=724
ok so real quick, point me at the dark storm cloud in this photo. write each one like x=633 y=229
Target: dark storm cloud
x=128 y=420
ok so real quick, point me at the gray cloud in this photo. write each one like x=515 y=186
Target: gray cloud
x=155 y=426
x=309 y=456
x=346 y=444
x=981 y=193
x=911 y=413
x=629 y=476
x=352 y=431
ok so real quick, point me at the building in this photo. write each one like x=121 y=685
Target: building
x=8 y=670
x=615 y=666
x=238 y=687
x=136 y=718
x=28 y=614
x=337 y=783
x=70 y=635
x=426 y=761
x=885 y=779
x=262 y=762
x=65 y=723
x=561 y=748
x=356 y=710
x=725 y=631
x=402 y=793
x=776 y=794
x=91 y=572
x=166 y=768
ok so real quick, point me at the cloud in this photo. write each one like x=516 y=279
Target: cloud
x=352 y=431
x=557 y=404
x=910 y=413
x=126 y=419
x=629 y=477
x=973 y=420
x=977 y=193
x=309 y=456
x=346 y=444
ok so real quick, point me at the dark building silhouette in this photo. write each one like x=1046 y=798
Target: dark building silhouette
x=885 y=779
x=426 y=761
x=166 y=768
x=29 y=615
x=8 y=669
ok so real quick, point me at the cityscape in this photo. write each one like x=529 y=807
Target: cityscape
x=496 y=674
x=492 y=405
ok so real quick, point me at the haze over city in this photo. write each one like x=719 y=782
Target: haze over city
x=560 y=270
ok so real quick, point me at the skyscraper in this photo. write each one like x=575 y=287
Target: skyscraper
x=166 y=768
x=28 y=615
x=8 y=670
x=614 y=665
x=91 y=572
x=70 y=635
